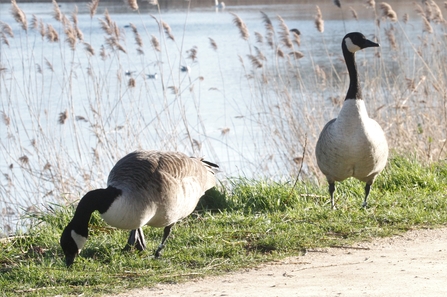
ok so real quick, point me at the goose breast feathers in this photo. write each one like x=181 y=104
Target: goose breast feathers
x=353 y=145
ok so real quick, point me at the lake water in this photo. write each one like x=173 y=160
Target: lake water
x=214 y=112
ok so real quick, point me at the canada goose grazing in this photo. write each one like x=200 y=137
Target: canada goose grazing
x=352 y=145
x=144 y=188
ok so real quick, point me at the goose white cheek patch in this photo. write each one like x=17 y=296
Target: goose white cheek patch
x=351 y=46
x=79 y=240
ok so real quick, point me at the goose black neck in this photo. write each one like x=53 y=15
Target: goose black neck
x=354 y=91
x=99 y=200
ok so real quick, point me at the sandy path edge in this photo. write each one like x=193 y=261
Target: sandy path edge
x=412 y=264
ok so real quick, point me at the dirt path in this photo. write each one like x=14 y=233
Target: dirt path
x=414 y=264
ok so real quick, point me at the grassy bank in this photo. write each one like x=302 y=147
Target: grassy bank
x=254 y=222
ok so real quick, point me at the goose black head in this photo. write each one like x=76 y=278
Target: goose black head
x=356 y=41
x=71 y=243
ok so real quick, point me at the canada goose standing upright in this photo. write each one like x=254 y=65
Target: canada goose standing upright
x=144 y=188
x=353 y=144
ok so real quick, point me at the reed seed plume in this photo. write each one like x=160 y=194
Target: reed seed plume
x=267 y=22
x=155 y=43
x=269 y=37
x=296 y=54
x=49 y=65
x=63 y=116
x=427 y=27
x=120 y=47
x=134 y=28
x=153 y=2
x=319 y=22
x=259 y=38
x=106 y=27
x=133 y=4
x=6 y=119
x=391 y=37
x=24 y=160
x=90 y=50
x=138 y=39
x=51 y=34
x=42 y=30
x=260 y=55
x=71 y=37
x=79 y=33
x=436 y=13
x=418 y=9
x=354 y=13
x=74 y=16
x=5 y=28
x=255 y=61
x=47 y=166
x=131 y=83
x=107 y=18
x=19 y=15
x=284 y=33
x=213 y=43
x=411 y=85
x=279 y=52
x=111 y=42
x=370 y=4
x=337 y=3
x=4 y=39
x=224 y=131
x=405 y=18
x=243 y=30
x=167 y=29
x=34 y=22
x=192 y=53
x=388 y=12
x=57 y=14
x=92 y=6
x=428 y=10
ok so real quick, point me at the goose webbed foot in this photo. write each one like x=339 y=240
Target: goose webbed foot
x=166 y=232
x=136 y=240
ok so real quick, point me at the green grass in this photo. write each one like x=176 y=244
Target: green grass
x=241 y=226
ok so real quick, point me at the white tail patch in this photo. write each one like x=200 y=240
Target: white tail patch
x=351 y=46
x=78 y=239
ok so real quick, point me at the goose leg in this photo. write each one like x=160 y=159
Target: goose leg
x=166 y=233
x=136 y=239
x=331 y=192
x=367 y=189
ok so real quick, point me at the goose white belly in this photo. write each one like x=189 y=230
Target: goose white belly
x=353 y=159
x=125 y=213
x=352 y=146
x=133 y=210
